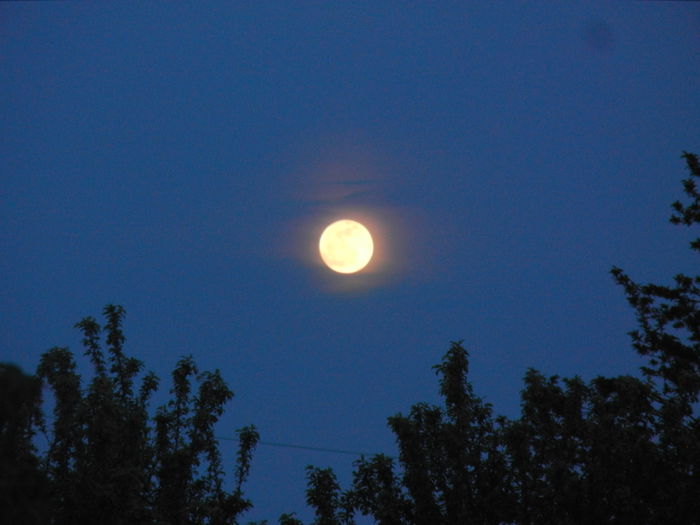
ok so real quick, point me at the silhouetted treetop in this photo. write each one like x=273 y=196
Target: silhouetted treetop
x=109 y=461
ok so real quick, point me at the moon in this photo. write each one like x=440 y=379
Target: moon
x=346 y=246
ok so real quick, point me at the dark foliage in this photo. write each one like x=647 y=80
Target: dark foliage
x=24 y=487
x=108 y=461
x=614 y=450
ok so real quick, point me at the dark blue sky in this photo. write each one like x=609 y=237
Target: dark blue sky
x=180 y=160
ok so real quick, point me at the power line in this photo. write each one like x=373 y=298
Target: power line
x=305 y=447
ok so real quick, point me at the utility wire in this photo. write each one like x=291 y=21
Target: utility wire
x=304 y=447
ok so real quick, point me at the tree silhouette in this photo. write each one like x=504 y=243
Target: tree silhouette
x=23 y=484
x=669 y=335
x=614 y=450
x=109 y=462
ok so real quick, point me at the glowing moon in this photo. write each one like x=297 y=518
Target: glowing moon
x=346 y=246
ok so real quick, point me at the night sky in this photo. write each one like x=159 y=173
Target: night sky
x=181 y=160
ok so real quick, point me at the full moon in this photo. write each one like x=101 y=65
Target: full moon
x=346 y=246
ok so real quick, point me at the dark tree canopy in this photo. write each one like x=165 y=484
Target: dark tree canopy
x=24 y=488
x=108 y=461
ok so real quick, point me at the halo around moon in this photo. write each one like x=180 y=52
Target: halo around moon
x=346 y=246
